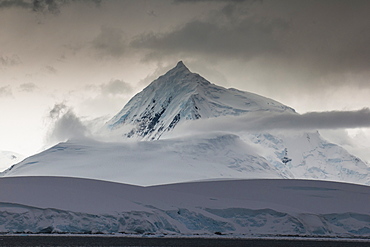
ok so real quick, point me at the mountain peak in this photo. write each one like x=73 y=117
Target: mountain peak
x=181 y=95
x=180 y=64
x=180 y=67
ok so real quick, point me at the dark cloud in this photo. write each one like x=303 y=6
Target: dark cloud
x=27 y=87
x=54 y=6
x=115 y=87
x=318 y=120
x=7 y=61
x=15 y=3
x=246 y=39
x=328 y=36
x=316 y=37
x=6 y=91
x=44 y=6
x=260 y=121
x=110 y=42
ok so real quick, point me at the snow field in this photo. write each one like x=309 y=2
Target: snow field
x=234 y=207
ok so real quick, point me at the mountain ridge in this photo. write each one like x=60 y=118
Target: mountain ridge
x=181 y=95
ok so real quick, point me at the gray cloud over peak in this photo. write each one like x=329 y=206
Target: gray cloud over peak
x=317 y=37
x=319 y=120
x=110 y=42
x=244 y=40
x=115 y=87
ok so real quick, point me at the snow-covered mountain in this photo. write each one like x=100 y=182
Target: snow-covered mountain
x=202 y=157
x=181 y=97
x=8 y=158
x=271 y=208
x=150 y=162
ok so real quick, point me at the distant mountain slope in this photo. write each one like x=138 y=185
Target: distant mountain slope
x=149 y=163
x=237 y=208
x=181 y=95
x=9 y=158
x=202 y=157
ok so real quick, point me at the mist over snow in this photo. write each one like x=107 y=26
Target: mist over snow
x=64 y=125
x=267 y=121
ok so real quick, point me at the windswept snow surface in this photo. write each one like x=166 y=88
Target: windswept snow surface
x=234 y=207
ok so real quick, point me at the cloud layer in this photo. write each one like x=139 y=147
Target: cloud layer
x=267 y=121
x=45 y=6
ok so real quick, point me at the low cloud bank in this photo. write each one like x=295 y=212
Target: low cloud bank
x=264 y=121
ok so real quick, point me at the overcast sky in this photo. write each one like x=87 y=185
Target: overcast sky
x=88 y=58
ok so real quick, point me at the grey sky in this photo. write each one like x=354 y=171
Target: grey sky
x=95 y=55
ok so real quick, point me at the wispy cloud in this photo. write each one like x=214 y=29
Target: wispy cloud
x=6 y=91
x=27 y=87
x=65 y=125
x=115 y=87
x=7 y=61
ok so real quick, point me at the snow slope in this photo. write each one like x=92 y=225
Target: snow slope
x=149 y=163
x=200 y=157
x=312 y=157
x=9 y=158
x=238 y=207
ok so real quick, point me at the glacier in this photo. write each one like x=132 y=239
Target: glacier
x=238 y=208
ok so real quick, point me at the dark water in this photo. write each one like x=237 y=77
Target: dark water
x=127 y=241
